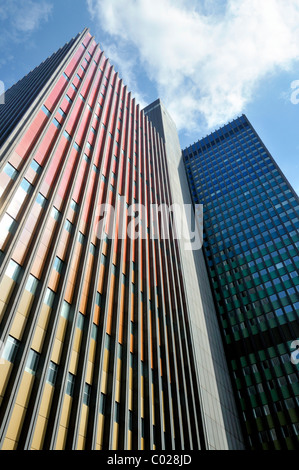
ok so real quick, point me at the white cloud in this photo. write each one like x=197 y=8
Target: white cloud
x=30 y=14
x=23 y=17
x=206 y=58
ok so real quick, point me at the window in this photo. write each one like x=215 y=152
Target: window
x=41 y=200
x=94 y=331
x=81 y=238
x=68 y=226
x=65 y=310
x=31 y=284
x=98 y=298
x=36 y=167
x=70 y=384
x=290 y=403
x=46 y=111
x=49 y=297
x=102 y=403
x=55 y=213
x=56 y=123
x=61 y=112
x=273 y=434
x=130 y=420
x=13 y=270
x=10 y=349
x=52 y=373
x=92 y=249
x=86 y=394
x=80 y=321
x=32 y=362
x=77 y=147
x=116 y=418
x=74 y=205
x=293 y=379
x=10 y=171
x=26 y=186
x=67 y=135
x=7 y=223
x=58 y=265
x=257 y=412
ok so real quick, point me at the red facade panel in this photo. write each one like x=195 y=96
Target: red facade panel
x=74 y=61
x=68 y=174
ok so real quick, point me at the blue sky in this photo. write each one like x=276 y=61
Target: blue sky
x=208 y=60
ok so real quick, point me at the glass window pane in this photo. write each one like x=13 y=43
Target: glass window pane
x=32 y=362
x=10 y=349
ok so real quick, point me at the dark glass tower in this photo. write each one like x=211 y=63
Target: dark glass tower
x=251 y=248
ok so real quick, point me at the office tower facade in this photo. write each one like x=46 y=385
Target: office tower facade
x=98 y=349
x=251 y=250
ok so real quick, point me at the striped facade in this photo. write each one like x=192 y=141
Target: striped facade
x=251 y=247
x=96 y=341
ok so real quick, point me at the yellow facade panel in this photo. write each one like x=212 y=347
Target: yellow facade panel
x=74 y=362
x=6 y=287
x=9 y=444
x=81 y=442
x=44 y=316
x=142 y=407
x=100 y=428
x=18 y=326
x=117 y=391
x=66 y=411
x=77 y=340
x=92 y=350
x=131 y=378
x=3 y=306
x=61 y=438
x=89 y=372
x=25 y=389
x=118 y=370
x=62 y=324
x=46 y=401
x=104 y=382
x=56 y=353
x=83 y=420
x=38 y=339
x=5 y=370
x=25 y=303
x=130 y=399
x=15 y=423
x=39 y=433
x=129 y=440
x=106 y=360
x=115 y=437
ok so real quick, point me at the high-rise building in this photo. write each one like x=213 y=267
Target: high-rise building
x=251 y=249
x=108 y=330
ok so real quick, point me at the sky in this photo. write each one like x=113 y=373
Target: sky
x=209 y=61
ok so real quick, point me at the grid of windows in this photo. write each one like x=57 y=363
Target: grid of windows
x=251 y=248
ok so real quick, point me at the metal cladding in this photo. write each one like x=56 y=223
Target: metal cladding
x=96 y=349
